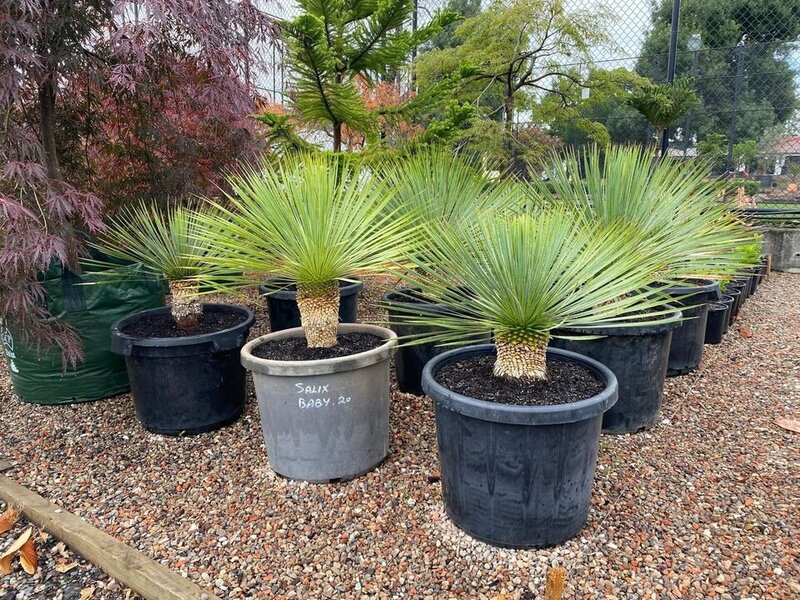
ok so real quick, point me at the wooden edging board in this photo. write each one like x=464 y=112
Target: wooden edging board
x=132 y=568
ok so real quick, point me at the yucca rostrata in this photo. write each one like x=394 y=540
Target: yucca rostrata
x=167 y=244
x=311 y=220
x=520 y=278
x=671 y=204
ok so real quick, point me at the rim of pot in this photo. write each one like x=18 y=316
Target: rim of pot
x=344 y=290
x=553 y=414
x=186 y=340
x=322 y=366
x=694 y=286
x=675 y=321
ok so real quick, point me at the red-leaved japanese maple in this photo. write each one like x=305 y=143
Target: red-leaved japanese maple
x=124 y=49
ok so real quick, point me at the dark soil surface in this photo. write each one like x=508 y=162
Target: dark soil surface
x=164 y=326
x=297 y=348
x=566 y=382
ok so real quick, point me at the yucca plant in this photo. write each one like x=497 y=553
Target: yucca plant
x=437 y=184
x=311 y=220
x=523 y=277
x=670 y=204
x=167 y=244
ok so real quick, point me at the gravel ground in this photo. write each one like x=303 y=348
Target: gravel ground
x=60 y=574
x=705 y=505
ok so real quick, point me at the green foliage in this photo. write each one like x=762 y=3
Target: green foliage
x=281 y=133
x=334 y=43
x=751 y=186
x=663 y=104
x=437 y=185
x=670 y=204
x=714 y=149
x=532 y=274
x=765 y=28
x=308 y=219
x=745 y=152
x=516 y=151
x=512 y=47
x=447 y=37
x=602 y=117
x=167 y=243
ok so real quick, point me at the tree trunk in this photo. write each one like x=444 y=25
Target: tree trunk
x=508 y=108
x=319 y=313
x=337 y=137
x=184 y=306
x=526 y=361
x=47 y=127
x=516 y=166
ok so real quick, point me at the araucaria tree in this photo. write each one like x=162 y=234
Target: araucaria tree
x=334 y=43
x=45 y=48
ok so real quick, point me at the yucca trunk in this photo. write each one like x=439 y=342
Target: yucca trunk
x=185 y=307
x=319 y=312
x=524 y=360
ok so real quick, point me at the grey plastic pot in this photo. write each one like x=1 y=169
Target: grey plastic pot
x=517 y=476
x=324 y=420
x=638 y=357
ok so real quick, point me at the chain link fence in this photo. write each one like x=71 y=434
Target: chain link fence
x=743 y=59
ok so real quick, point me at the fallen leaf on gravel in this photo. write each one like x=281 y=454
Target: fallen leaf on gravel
x=746 y=332
x=8 y=555
x=87 y=593
x=790 y=424
x=66 y=568
x=554 y=589
x=44 y=536
x=27 y=557
x=8 y=519
x=61 y=549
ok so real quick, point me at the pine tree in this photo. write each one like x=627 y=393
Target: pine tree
x=335 y=42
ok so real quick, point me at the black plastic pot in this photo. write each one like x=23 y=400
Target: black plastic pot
x=285 y=314
x=743 y=285
x=638 y=357
x=185 y=385
x=736 y=294
x=686 y=349
x=409 y=361
x=517 y=476
x=751 y=282
x=715 y=325
x=727 y=300
x=762 y=271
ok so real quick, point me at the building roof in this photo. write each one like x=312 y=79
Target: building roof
x=787 y=145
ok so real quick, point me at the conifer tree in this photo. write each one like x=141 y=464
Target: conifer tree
x=335 y=42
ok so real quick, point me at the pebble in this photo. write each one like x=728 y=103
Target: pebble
x=703 y=505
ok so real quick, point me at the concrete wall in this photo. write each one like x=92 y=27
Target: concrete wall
x=784 y=245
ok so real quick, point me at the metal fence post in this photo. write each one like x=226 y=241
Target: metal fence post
x=737 y=94
x=673 y=51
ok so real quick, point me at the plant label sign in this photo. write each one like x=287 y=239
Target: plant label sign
x=8 y=346
x=311 y=396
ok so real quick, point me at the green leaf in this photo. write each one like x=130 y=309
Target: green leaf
x=309 y=219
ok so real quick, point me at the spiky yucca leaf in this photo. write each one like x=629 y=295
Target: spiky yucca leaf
x=527 y=276
x=167 y=244
x=672 y=203
x=436 y=185
x=311 y=220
